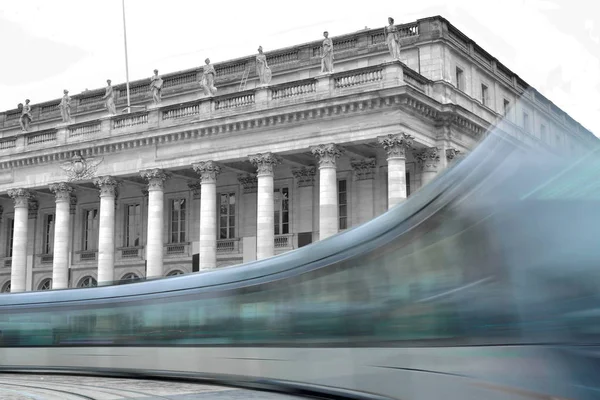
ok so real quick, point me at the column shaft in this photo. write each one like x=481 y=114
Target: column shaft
x=208 y=225
x=106 y=234
x=208 y=171
x=328 y=202
x=60 y=266
x=396 y=180
x=265 y=217
x=19 y=257
x=154 y=244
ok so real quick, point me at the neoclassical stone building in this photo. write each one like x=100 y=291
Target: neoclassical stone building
x=205 y=180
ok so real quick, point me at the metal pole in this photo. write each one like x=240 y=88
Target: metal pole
x=126 y=61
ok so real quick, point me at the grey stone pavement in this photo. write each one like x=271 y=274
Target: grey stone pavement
x=62 y=387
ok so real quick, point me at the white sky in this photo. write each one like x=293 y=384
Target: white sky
x=47 y=46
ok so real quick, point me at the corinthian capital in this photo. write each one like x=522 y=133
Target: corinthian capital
x=107 y=185
x=208 y=171
x=156 y=178
x=62 y=191
x=396 y=145
x=428 y=158
x=20 y=197
x=451 y=153
x=264 y=162
x=326 y=154
x=363 y=169
x=249 y=182
x=305 y=176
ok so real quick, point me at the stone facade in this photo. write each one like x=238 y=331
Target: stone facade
x=206 y=181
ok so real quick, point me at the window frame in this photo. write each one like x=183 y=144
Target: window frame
x=228 y=190
x=347 y=204
x=485 y=98
x=48 y=234
x=459 y=75
x=126 y=205
x=169 y=220
x=10 y=234
x=278 y=207
x=84 y=227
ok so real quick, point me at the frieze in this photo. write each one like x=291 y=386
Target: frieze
x=305 y=176
x=327 y=154
x=363 y=169
x=249 y=182
x=264 y=162
x=208 y=171
x=396 y=145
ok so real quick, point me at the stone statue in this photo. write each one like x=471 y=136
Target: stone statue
x=392 y=38
x=109 y=96
x=208 y=79
x=156 y=84
x=25 y=118
x=262 y=69
x=65 y=107
x=327 y=56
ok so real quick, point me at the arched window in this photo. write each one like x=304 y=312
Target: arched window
x=175 y=272
x=6 y=287
x=88 y=281
x=129 y=276
x=46 y=284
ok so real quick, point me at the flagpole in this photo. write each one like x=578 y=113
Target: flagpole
x=126 y=61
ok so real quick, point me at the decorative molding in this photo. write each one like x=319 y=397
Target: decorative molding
x=326 y=154
x=396 y=145
x=249 y=182
x=62 y=191
x=305 y=176
x=156 y=178
x=32 y=207
x=107 y=185
x=428 y=158
x=208 y=171
x=363 y=169
x=451 y=153
x=20 y=197
x=264 y=162
x=195 y=187
x=79 y=168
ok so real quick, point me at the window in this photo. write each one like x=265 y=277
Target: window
x=543 y=132
x=130 y=276
x=227 y=216
x=175 y=272
x=526 y=122
x=48 y=240
x=343 y=204
x=282 y=211
x=46 y=284
x=10 y=223
x=506 y=105
x=460 y=84
x=88 y=281
x=484 y=95
x=178 y=216
x=407 y=183
x=133 y=222
x=90 y=232
x=5 y=288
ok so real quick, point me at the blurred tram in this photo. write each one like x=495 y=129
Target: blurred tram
x=482 y=285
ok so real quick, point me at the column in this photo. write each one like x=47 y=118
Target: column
x=395 y=147
x=265 y=206
x=19 y=254
x=208 y=171
x=328 y=197
x=106 y=234
x=154 y=243
x=428 y=159
x=62 y=227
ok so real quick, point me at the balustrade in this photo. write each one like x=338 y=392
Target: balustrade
x=359 y=78
x=50 y=108
x=283 y=241
x=294 y=90
x=41 y=137
x=176 y=249
x=228 y=246
x=130 y=252
x=180 y=79
x=184 y=110
x=129 y=120
x=88 y=255
x=233 y=102
x=282 y=58
x=84 y=129
x=230 y=69
x=8 y=144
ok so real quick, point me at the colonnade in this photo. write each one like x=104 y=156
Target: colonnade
x=208 y=171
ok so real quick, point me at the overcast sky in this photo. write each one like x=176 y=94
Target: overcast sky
x=47 y=46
